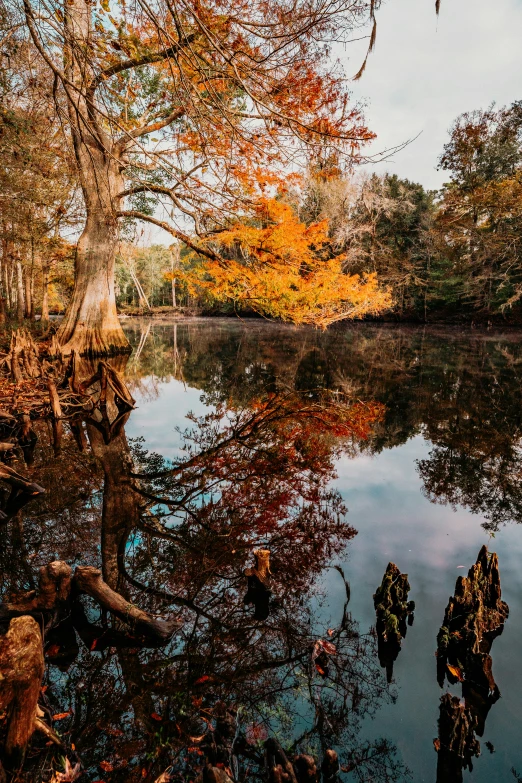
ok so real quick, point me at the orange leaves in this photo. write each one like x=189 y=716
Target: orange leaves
x=282 y=268
x=456 y=672
x=62 y=715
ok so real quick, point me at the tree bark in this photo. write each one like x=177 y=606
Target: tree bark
x=20 y=305
x=21 y=670
x=46 y=268
x=91 y=324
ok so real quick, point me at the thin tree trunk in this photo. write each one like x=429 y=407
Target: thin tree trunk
x=46 y=268
x=11 y=288
x=30 y=307
x=27 y=292
x=20 y=305
x=5 y=278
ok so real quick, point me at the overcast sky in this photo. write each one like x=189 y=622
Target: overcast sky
x=425 y=71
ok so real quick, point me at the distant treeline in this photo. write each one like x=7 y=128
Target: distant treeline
x=450 y=255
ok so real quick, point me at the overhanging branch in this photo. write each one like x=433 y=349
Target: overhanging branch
x=203 y=251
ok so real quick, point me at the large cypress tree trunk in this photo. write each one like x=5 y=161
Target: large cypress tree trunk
x=91 y=324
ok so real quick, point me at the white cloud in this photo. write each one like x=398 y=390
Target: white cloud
x=425 y=71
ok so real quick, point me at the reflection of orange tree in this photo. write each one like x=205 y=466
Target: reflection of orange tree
x=247 y=478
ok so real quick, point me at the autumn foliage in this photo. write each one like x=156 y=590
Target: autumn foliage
x=282 y=268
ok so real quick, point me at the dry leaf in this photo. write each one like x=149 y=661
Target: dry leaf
x=456 y=672
x=69 y=774
x=155 y=716
x=62 y=715
x=202 y=679
x=165 y=777
x=436 y=744
x=106 y=766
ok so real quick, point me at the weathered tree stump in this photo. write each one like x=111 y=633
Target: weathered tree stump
x=259 y=592
x=456 y=745
x=474 y=617
x=392 y=609
x=21 y=670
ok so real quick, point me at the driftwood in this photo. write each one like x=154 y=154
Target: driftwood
x=21 y=670
x=392 y=610
x=259 y=592
x=89 y=580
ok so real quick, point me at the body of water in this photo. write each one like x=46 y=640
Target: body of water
x=339 y=452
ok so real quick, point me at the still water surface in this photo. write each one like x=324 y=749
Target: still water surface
x=438 y=476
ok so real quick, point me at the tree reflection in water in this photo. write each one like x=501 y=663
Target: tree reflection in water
x=177 y=539
x=459 y=390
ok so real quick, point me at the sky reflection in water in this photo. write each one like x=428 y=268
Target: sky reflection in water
x=383 y=491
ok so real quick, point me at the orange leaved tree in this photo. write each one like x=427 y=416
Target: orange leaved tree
x=176 y=111
x=281 y=268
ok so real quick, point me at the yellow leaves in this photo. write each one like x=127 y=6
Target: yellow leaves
x=282 y=268
x=105 y=5
x=456 y=672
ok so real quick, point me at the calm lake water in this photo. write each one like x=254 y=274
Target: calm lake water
x=430 y=473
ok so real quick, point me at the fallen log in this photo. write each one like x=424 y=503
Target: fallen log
x=21 y=672
x=89 y=580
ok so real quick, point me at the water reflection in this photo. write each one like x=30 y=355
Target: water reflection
x=221 y=551
x=461 y=393
x=224 y=547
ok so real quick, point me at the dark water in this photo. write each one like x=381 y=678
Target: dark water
x=428 y=470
